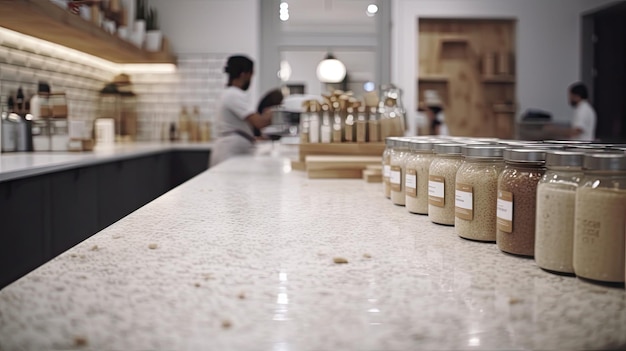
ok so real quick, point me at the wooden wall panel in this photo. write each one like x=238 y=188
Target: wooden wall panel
x=471 y=64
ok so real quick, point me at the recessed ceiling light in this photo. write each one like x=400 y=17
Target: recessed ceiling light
x=284 y=5
x=372 y=9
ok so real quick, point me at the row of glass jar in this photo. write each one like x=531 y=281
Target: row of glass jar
x=562 y=202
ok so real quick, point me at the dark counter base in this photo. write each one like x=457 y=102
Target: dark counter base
x=44 y=215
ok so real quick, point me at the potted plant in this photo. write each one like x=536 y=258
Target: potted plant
x=139 y=32
x=154 y=37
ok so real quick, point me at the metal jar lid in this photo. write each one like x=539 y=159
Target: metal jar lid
x=525 y=155
x=483 y=151
x=390 y=142
x=421 y=145
x=564 y=159
x=567 y=142
x=402 y=143
x=449 y=149
x=605 y=162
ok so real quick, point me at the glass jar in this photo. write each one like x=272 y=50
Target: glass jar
x=390 y=143
x=556 y=199
x=441 y=182
x=391 y=111
x=397 y=171
x=476 y=192
x=416 y=177
x=600 y=219
x=517 y=196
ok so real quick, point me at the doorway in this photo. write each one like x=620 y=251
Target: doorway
x=604 y=71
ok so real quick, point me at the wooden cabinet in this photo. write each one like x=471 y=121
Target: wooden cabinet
x=471 y=64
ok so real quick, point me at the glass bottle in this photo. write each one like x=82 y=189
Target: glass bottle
x=361 y=126
x=373 y=125
x=325 y=128
x=304 y=122
x=337 y=134
x=349 y=125
x=392 y=114
x=556 y=200
x=390 y=143
x=416 y=177
x=517 y=200
x=476 y=192
x=441 y=182
x=314 y=123
x=600 y=218
x=397 y=171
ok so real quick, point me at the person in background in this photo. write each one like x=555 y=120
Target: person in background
x=434 y=112
x=584 y=119
x=236 y=118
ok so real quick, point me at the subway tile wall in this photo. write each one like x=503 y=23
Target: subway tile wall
x=198 y=81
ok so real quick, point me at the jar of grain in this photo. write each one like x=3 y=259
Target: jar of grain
x=517 y=193
x=390 y=143
x=441 y=182
x=416 y=178
x=476 y=193
x=600 y=215
x=556 y=198
x=397 y=171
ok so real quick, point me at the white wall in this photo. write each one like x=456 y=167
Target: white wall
x=211 y=26
x=548 y=44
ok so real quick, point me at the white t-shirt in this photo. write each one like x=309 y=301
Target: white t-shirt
x=585 y=119
x=232 y=110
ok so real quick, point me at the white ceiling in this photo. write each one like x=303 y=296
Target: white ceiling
x=328 y=15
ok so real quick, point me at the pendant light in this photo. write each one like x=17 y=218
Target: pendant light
x=331 y=70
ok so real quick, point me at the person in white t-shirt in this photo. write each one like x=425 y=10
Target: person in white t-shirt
x=236 y=118
x=584 y=120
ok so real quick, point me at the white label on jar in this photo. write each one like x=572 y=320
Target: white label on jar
x=505 y=211
x=386 y=171
x=463 y=201
x=411 y=181
x=395 y=178
x=436 y=190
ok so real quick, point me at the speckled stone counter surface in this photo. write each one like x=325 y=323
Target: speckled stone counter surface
x=23 y=164
x=242 y=258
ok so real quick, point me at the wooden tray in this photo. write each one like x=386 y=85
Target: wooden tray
x=352 y=149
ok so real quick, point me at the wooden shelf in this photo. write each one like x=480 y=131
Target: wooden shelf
x=499 y=79
x=451 y=38
x=44 y=20
x=433 y=78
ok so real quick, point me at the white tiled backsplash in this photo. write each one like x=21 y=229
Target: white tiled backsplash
x=160 y=96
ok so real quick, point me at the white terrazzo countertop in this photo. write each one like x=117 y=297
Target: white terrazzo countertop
x=25 y=164
x=244 y=261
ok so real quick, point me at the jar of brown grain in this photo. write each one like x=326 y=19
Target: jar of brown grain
x=517 y=196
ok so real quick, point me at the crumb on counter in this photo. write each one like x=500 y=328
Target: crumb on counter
x=153 y=246
x=197 y=285
x=515 y=301
x=226 y=324
x=94 y=248
x=241 y=296
x=80 y=341
x=366 y=255
x=340 y=260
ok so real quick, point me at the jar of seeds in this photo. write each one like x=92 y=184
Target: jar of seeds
x=416 y=179
x=517 y=197
x=441 y=182
x=397 y=171
x=600 y=218
x=476 y=193
x=556 y=198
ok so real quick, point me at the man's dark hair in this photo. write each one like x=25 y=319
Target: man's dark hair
x=236 y=65
x=580 y=90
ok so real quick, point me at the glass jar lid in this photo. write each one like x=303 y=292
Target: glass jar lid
x=605 y=162
x=564 y=159
x=421 y=145
x=483 y=151
x=449 y=149
x=525 y=155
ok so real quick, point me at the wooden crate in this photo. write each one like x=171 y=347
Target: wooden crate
x=344 y=149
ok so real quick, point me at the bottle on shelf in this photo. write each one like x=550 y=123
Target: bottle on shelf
x=337 y=123
x=349 y=126
x=183 y=125
x=361 y=125
x=314 y=123
x=304 y=122
x=374 y=126
x=194 y=125
x=325 y=128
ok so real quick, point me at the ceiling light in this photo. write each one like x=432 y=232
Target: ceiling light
x=284 y=5
x=285 y=71
x=284 y=17
x=369 y=86
x=372 y=9
x=331 y=70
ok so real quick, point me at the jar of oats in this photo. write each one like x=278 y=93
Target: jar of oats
x=517 y=196
x=600 y=218
x=389 y=145
x=476 y=192
x=397 y=171
x=556 y=197
x=416 y=178
x=441 y=182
